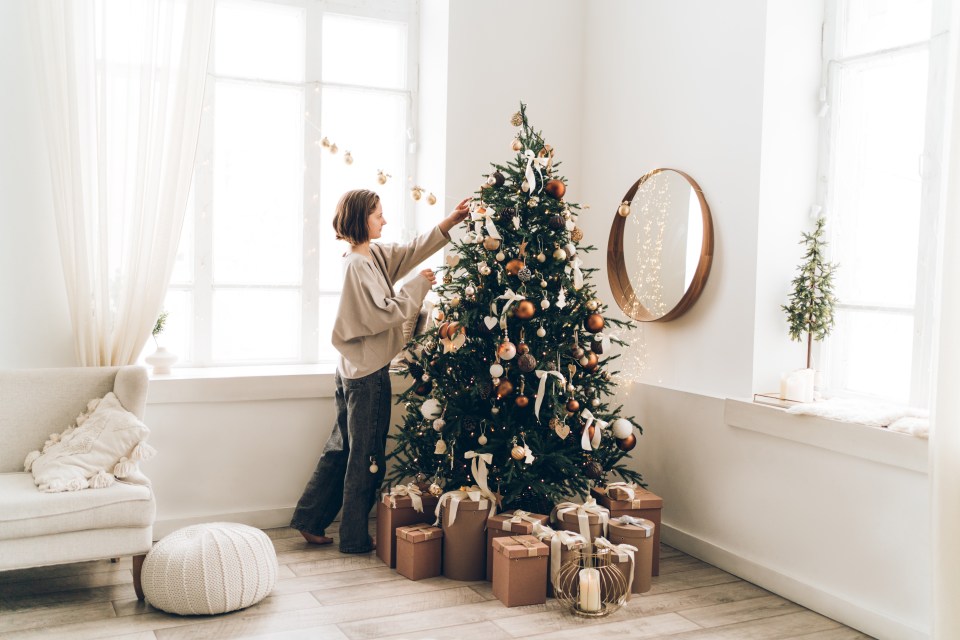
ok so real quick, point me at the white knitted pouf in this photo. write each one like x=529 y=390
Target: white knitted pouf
x=209 y=568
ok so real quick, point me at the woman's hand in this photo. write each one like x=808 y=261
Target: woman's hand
x=429 y=275
x=458 y=215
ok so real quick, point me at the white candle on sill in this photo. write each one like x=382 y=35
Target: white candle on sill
x=589 y=590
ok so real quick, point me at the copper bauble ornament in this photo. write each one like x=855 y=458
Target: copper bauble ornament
x=522 y=401
x=504 y=389
x=577 y=234
x=628 y=443
x=491 y=244
x=525 y=310
x=595 y=322
x=513 y=266
x=592 y=362
x=593 y=470
x=523 y=348
x=516 y=145
x=506 y=350
x=527 y=363
x=572 y=405
x=557 y=222
x=517 y=453
x=555 y=188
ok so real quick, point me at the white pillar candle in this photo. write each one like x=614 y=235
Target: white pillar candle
x=589 y=590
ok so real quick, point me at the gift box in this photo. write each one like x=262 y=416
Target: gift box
x=464 y=518
x=638 y=533
x=419 y=551
x=637 y=502
x=400 y=507
x=509 y=523
x=588 y=519
x=562 y=545
x=520 y=570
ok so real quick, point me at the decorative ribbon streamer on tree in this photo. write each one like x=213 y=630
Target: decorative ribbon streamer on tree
x=543 y=375
x=510 y=297
x=586 y=442
x=577 y=274
x=473 y=494
x=533 y=162
x=485 y=214
x=583 y=511
x=624 y=552
x=545 y=158
x=411 y=491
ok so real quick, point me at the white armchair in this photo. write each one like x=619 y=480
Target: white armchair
x=38 y=528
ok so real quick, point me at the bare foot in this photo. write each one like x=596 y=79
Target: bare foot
x=312 y=539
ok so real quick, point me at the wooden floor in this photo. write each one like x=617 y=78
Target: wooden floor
x=324 y=594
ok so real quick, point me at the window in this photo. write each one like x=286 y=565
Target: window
x=257 y=276
x=883 y=94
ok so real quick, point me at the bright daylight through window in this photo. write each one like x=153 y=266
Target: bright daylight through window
x=292 y=87
x=881 y=145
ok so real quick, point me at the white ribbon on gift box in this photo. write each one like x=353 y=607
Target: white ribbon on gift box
x=623 y=552
x=543 y=375
x=625 y=520
x=410 y=490
x=520 y=516
x=558 y=538
x=586 y=442
x=583 y=512
x=630 y=488
x=473 y=494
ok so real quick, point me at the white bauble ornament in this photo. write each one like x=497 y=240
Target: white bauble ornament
x=425 y=377
x=541 y=332
x=570 y=225
x=455 y=300
x=494 y=410
x=496 y=370
x=469 y=290
x=374 y=468
x=595 y=402
x=621 y=428
x=482 y=440
x=484 y=269
x=593 y=304
x=543 y=284
x=495 y=381
x=541 y=257
x=501 y=256
x=525 y=186
x=584 y=361
x=544 y=304
x=430 y=409
x=439 y=424
x=571 y=249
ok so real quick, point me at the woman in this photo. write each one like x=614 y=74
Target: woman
x=368 y=334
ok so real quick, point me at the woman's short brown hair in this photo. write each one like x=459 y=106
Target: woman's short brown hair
x=350 y=219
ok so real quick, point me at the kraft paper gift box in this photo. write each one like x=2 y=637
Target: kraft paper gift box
x=509 y=523
x=419 y=551
x=464 y=517
x=562 y=544
x=588 y=519
x=399 y=508
x=637 y=533
x=632 y=500
x=520 y=570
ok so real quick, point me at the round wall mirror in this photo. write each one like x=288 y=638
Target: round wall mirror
x=661 y=246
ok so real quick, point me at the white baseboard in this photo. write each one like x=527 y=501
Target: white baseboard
x=871 y=622
x=264 y=519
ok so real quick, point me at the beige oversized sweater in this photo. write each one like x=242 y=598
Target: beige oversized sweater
x=368 y=330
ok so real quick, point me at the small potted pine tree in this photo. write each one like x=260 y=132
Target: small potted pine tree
x=810 y=310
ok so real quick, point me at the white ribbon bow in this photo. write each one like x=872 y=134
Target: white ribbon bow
x=646 y=525
x=510 y=297
x=544 y=375
x=473 y=494
x=533 y=162
x=630 y=488
x=486 y=217
x=411 y=490
x=520 y=516
x=583 y=512
x=586 y=442
x=623 y=552
x=577 y=274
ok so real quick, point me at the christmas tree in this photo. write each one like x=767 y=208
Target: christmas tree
x=510 y=381
x=812 y=301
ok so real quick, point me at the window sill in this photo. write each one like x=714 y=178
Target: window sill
x=239 y=384
x=857 y=440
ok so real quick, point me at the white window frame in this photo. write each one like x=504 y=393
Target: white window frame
x=929 y=166
x=313 y=287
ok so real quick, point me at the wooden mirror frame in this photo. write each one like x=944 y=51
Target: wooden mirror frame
x=617 y=269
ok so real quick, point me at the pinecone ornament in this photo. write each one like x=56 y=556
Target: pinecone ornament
x=517 y=119
x=525 y=274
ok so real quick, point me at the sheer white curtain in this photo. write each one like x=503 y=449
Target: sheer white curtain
x=945 y=433
x=121 y=85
